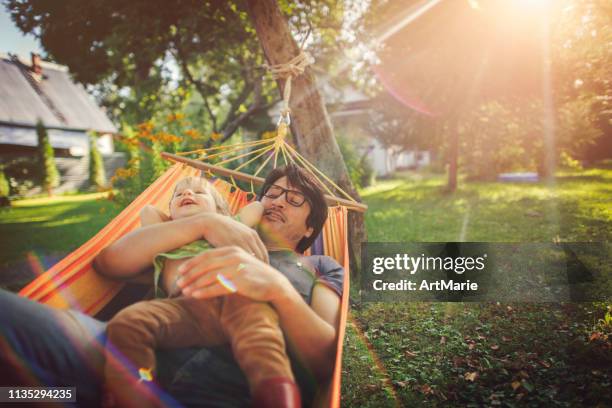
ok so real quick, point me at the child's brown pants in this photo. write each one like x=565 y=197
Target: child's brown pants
x=250 y=327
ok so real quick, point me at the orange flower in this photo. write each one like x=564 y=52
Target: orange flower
x=175 y=116
x=192 y=133
x=145 y=127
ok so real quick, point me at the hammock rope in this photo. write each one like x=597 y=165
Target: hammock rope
x=250 y=151
x=287 y=71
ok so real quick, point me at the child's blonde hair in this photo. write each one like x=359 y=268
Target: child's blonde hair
x=221 y=205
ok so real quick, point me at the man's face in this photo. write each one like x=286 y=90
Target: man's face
x=284 y=224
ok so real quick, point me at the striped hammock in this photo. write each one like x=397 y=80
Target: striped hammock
x=73 y=284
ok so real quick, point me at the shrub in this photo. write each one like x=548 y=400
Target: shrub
x=49 y=176
x=97 y=176
x=359 y=168
x=4 y=189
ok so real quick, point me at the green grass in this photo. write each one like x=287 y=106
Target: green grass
x=415 y=209
x=483 y=354
x=47 y=228
x=423 y=354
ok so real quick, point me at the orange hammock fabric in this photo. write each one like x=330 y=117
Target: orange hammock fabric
x=73 y=284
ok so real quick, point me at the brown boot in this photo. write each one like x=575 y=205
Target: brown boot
x=277 y=392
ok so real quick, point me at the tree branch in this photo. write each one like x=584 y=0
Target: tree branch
x=202 y=88
x=235 y=105
x=233 y=124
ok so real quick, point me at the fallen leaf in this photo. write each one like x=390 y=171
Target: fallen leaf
x=426 y=389
x=402 y=384
x=595 y=336
x=443 y=340
x=494 y=347
x=544 y=364
x=523 y=374
x=458 y=361
x=409 y=354
x=504 y=338
x=515 y=385
x=471 y=346
x=471 y=376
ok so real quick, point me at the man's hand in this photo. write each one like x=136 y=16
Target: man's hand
x=250 y=277
x=221 y=231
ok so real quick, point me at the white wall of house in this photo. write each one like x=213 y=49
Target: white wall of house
x=77 y=142
x=386 y=160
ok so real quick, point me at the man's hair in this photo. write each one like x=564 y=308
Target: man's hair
x=221 y=205
x=308 y=185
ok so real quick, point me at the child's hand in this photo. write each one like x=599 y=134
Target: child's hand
x=151 y=215
x=251 y=214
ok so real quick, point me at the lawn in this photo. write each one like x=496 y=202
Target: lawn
x=38 y=232
x=482 y=354
x=413 y=354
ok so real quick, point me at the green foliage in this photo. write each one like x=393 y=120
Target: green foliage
x=4 y=185
x=497 y=138
x=49 y=175
x=359 y=167
x=4 y=188
x=145 y=163
x=368 y=175
x=567 y=162
x=504 y=136
x=97 y=175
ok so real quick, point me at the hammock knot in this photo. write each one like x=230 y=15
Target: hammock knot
x=295 y=67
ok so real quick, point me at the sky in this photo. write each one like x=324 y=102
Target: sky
x=12 y=40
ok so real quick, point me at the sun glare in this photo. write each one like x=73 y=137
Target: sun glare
x=533 y=4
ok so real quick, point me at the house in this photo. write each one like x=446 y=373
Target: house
x=37 y=90
x=349 y=111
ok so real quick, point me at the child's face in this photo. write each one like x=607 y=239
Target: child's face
x=191 y=196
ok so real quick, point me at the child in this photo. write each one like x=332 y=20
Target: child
x=250 y=327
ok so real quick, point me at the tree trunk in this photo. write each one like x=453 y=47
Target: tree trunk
x=310 y=123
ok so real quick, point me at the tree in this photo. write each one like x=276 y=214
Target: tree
x=134 y=45
x=213 y=49
x=310 y=125
x=97 y=176
x=49 y=176
x=582 y=69
x=4 y=189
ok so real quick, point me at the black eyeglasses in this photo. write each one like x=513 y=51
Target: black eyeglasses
x=293 y=197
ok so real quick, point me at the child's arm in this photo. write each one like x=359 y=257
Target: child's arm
x=151 y=215
x=251 y=214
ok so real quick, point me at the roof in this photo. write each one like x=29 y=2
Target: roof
x=53 y=98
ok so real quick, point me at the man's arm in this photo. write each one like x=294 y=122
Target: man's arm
x=311 y=330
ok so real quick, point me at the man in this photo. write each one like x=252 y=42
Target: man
x=64 y=348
